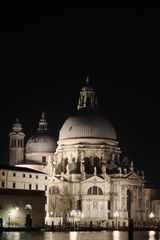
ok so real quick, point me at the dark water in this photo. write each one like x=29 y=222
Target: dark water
x=115 y=235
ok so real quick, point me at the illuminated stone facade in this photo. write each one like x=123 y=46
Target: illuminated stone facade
x=88 y=173
x=87 y=177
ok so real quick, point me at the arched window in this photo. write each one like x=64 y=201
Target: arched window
x=94 y=191
x=97 y=164
x=54 y=190
x=88 y=165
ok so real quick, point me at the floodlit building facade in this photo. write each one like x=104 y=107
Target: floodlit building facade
x=22 y=196
x=83 y=175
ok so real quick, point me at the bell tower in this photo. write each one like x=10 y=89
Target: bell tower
x=16 y=145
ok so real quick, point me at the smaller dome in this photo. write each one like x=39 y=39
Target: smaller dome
x=41 y=142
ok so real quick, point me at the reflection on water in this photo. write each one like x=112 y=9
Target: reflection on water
x=109 y=235
x=152 y=235
x=73 y=235
x=116 y=235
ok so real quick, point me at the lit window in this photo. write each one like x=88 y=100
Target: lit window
x=94 y=191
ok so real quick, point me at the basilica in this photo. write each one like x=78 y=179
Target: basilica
x=83 y=177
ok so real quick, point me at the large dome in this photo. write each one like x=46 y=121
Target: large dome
x=87 y=124
x=41 y=142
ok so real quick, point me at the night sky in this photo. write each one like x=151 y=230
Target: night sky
x=44 y=61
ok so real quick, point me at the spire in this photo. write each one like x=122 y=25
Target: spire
x=43 y=123
x=87 y=99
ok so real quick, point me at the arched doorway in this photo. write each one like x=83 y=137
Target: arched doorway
x=28 y=222
x=95 y=204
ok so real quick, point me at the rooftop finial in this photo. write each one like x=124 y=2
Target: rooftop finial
x=17 y=126
x=43 y=115
x=87 y=80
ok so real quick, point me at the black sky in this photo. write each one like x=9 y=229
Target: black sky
x=44 y=60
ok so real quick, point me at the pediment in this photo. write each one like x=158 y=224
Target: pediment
x=134 y=176
x=54 y=179
x=96 y=179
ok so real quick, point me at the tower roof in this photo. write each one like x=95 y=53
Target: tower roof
x=17 y=126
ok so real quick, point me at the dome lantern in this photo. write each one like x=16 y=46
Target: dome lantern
x=43 y=124
x=87 y=99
